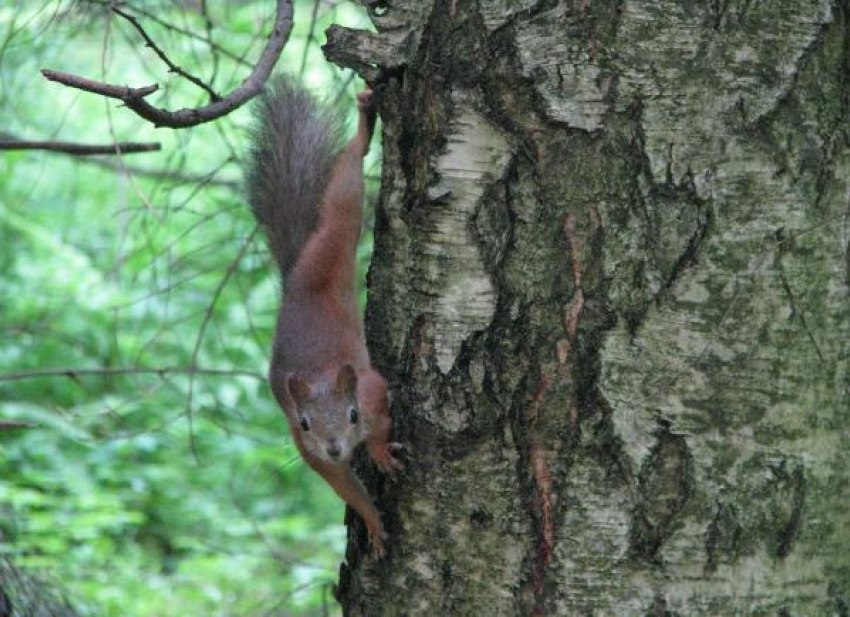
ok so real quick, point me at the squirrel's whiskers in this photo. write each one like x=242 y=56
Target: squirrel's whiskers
x=307 y=193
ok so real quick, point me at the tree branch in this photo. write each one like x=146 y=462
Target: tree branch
x=73 y=373
x=214 y=96
x=166 y=175
x=134 y=97
x=367 y=53
x=125 y=93
x=238 y=58
x=199 y=339
x=8 y=425
x=76 y=149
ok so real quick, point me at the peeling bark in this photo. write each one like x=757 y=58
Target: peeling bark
x=610 y=291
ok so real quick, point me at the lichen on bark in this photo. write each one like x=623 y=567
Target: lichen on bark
x=610 y=291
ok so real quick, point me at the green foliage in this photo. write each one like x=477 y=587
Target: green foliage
x=149 y=493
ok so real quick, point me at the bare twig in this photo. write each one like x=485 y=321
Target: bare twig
x=76 y=149
x=167 y=175
x=278 y=554
x=125 y=93
x=202 y=330
x=183 y=31
x=214 y=96
x=208 y=25
x=74 y=373
x=309 y=41
x=103 y=63
x=134 y=97
x=7 y=425
x=343 y=89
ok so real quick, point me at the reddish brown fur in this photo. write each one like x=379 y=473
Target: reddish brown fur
x=319 y=333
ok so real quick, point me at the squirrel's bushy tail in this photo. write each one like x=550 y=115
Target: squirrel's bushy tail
x=295 y=141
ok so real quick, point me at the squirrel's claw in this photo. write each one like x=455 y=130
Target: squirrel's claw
x=376 y=541
x=382 y=455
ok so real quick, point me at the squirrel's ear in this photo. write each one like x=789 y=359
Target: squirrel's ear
x=298 y=388
x=346 y=380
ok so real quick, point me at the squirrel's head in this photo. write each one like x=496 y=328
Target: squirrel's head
x=326 y=414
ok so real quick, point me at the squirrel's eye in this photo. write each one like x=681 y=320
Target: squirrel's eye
x=304 y=424
x=353 y=415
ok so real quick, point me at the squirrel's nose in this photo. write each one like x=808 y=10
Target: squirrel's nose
x=333 y=449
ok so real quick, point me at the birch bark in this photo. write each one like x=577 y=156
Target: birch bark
x=610 y=290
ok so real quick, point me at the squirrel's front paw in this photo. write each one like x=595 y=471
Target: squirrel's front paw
x=376 y=541
x=382 y=455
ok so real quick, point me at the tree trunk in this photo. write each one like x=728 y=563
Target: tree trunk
x=610 y=291
x=24 y=595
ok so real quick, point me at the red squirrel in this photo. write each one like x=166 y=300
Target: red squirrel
x=307 y=194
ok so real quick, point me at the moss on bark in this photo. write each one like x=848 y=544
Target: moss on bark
x=610 y=290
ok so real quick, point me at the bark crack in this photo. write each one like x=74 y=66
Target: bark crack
x=796 y=311
x=663 y=491
x=790 y=530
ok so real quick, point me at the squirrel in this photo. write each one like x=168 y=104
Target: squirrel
x=306 y=192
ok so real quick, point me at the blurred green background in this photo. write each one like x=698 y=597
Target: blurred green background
x=142 y=492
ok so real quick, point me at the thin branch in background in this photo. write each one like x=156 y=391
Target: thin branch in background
x=343 y=89
x=167 y=175
x=231 y=148
x=107 y=371
x=168 y=288
x=103 y=52
x=285 y=559
x=161 y=425
x=208 y=26
x=44 y=167
x=309 y=41
x=173 y=68
x=199 y=339
x=240 y=59
x=132 y=45
x=77 y=149
x=203 y=218
x=282 y=602
x=202 y=184
x=244 y=54
x=134 y=98
x=184 y=10
x=10 y=425
x=255 y=336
